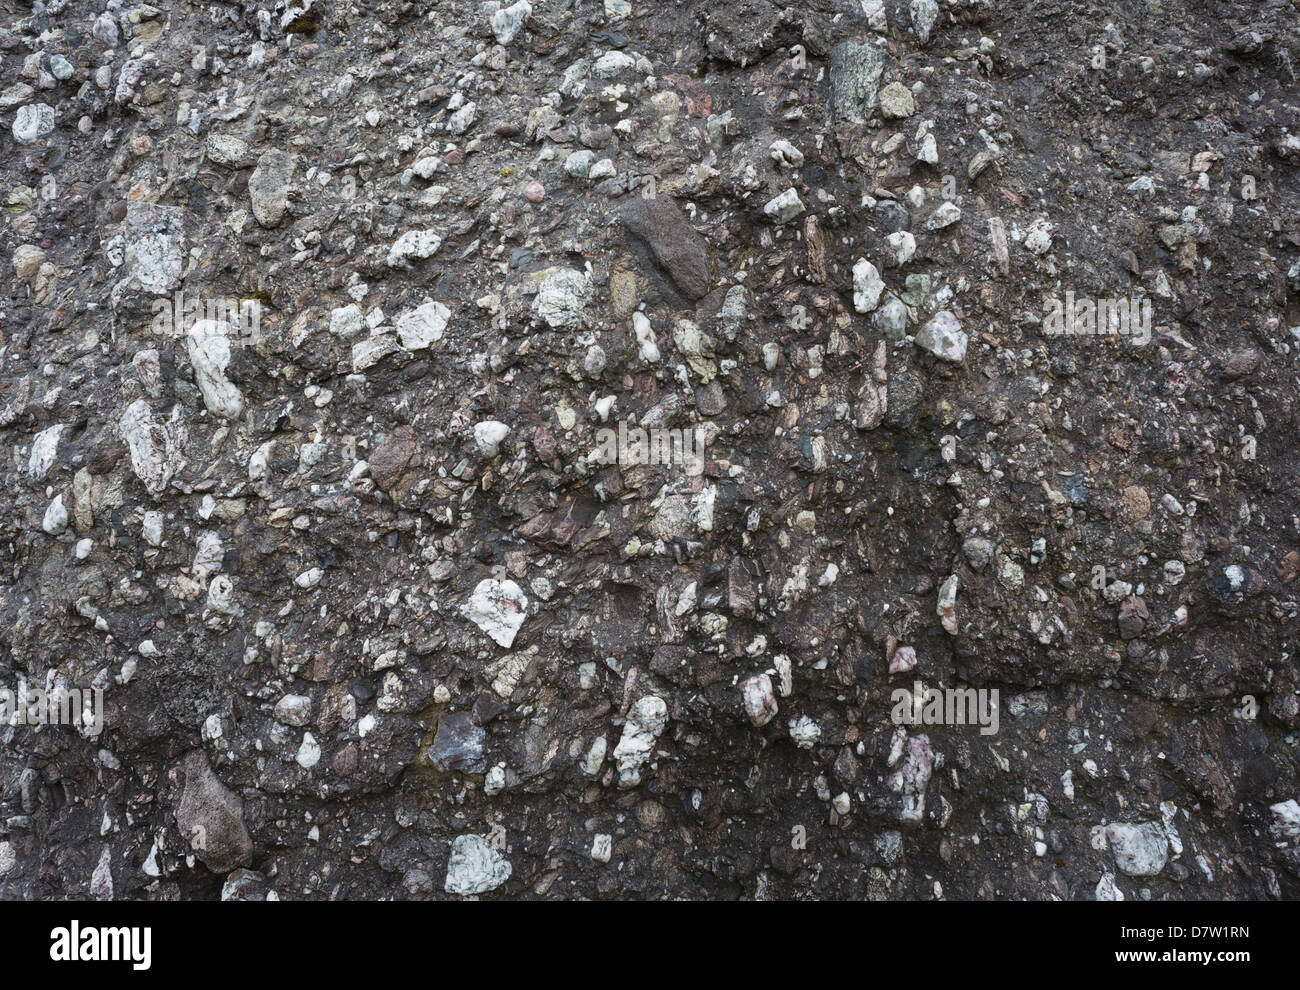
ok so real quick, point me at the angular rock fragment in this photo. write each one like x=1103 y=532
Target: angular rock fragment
x=208 y=346
x=226 y=149
x=867 y=286
x=910 y=780
x=389 y=459
x=154 y=249
x=923 y=14
x=667 y=245
x=475 y=867
x=210 y=817
x=155 y=446
x=44 y=452
x=268 y=187
x=369 y=352
x=943 y=337
x=489 y=435
x=562 y=297
x=293 y=710
x=785 y=207
x=896 y=102
x=498 y=608
x=947 y=606
x=904 y=659
x=1140 y=850
x=645 y=722
x=33 y=122
x=804 y=732
x=873 y=398
x=855 y=72
x=414 y=245
x=759 y=699
x=507 y=21
x=945 y=216
x=422 y=326
x=1133 y=617
x=459 y=745
x=1107 y=889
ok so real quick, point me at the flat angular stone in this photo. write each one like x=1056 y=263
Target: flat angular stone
x=855 y=80
x=662 y=238
x=459 y=745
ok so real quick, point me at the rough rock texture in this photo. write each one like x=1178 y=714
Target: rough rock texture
x=369 y=605
x=667 y=245
x=211 y=817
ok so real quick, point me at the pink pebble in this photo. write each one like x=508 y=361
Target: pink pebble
x=534 y=192
x=904 y=660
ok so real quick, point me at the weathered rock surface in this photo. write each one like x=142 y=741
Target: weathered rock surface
x=561 y=450
x=211 y=817
x=667 y=245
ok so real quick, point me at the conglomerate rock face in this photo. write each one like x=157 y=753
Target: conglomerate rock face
x=568 y=449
